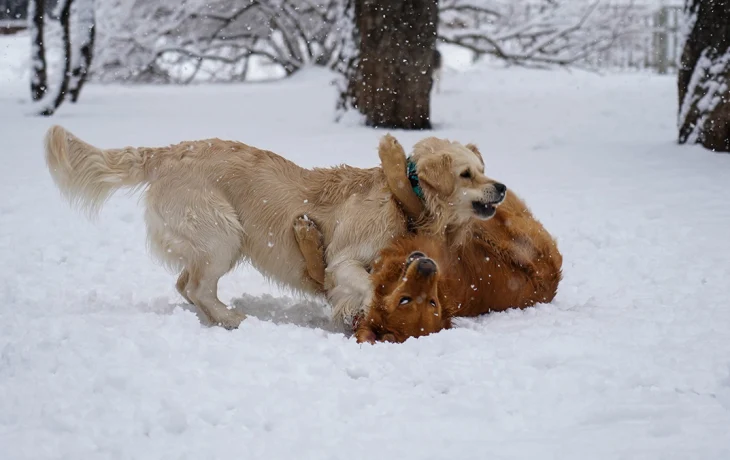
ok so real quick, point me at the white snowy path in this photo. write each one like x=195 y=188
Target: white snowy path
x=632 y=360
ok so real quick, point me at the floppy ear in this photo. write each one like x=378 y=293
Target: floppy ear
x=476 y=151
x=436 y=173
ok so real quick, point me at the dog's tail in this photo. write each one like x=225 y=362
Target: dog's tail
x=87 y=175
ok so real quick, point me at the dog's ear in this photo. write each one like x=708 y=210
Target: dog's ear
x=476 y=151
x=435 y=172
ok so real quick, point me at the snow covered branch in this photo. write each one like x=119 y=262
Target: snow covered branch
x=533 y=34
x=217 y=40
x=214 y=40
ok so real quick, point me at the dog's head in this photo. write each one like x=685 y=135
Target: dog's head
x=408 y=300
x=452 y=179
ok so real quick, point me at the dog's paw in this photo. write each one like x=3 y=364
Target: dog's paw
x=306 y=230
x=391 y=153
x=230 y=320
x=394 y=163
x=389 y=141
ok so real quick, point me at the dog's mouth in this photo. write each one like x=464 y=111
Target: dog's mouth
x=483 y=209
x=487 y=208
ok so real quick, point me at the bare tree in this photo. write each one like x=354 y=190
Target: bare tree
x=391 y=76
x=50 y=106
x=214 y=40
x=703 y=79
x=84 y=51
x=533 y=33
x=39 y=76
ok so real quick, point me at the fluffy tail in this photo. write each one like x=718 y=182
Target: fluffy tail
x=87 y=175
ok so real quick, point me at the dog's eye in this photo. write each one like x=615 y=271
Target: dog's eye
x=466 y=174
x=433 y=303
x=405 y=300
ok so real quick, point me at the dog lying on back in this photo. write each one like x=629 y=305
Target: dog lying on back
x=211 y=204
x=422 y=281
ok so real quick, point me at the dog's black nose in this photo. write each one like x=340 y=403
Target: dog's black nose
x=500 y=188
x=426 y=267
x=416 y=255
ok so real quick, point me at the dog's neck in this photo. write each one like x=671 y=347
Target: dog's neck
x=453 y=234
x=413 y=178
x=458 y=235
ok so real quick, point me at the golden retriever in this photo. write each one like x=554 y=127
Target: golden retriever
x=213 y=203
x=422 y=281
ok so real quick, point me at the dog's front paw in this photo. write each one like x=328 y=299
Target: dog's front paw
x=394 y=163
x=391 y=153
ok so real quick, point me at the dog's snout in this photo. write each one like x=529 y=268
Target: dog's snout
x=426 y=267
x=500 y=188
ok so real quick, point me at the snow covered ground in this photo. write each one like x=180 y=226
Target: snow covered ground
x=100 y=360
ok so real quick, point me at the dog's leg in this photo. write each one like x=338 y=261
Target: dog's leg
x=310 y=242
x=182 y=283
x=393 y=160
x=222 y=250
x=201 y=234
x=349 y=290
x=202 y=289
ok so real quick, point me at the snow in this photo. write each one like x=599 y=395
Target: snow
x=100 y=359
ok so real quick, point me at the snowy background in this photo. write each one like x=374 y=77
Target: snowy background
x=99 y=359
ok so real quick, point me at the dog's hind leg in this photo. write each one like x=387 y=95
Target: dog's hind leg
x=217 y=239
x=182 y=283
x=201 y=234
x=202 y=289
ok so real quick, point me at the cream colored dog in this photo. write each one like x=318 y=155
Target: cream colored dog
x=212 y=203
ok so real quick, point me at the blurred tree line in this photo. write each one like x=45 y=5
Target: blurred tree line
x=384 y=50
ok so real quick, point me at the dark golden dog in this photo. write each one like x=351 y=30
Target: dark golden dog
x=422 y=281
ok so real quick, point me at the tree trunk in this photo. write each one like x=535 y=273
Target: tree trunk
x=703 y=81
x=83 y=55
x=392 y=79
x=64 y=18
x=39 y=76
